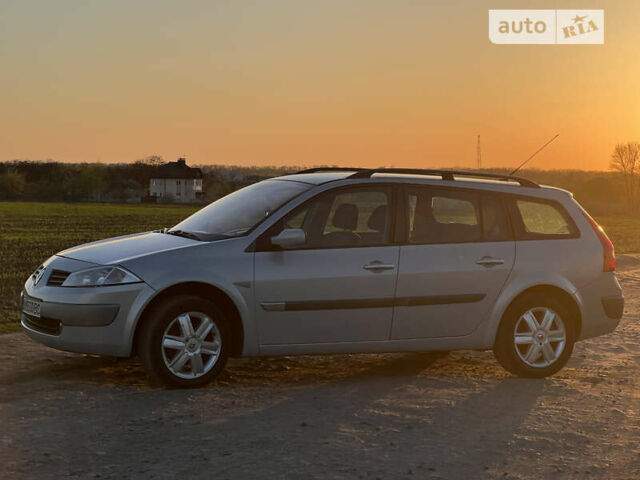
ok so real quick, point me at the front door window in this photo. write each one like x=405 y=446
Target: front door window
x=358 y=217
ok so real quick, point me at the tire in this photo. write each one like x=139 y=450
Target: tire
x=177 y=343
x=538 y=351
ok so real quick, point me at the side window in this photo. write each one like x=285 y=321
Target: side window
x=297 y=219
x=495 y=226
x=454 y=210
x=441 y=216
x=346 y=218
x=542 y=219
x=357 y=218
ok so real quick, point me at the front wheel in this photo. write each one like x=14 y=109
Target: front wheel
x=536 y=336
x=184 y=342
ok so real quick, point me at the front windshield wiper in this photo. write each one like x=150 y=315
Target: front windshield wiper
x=182 y=233
x=235 y=233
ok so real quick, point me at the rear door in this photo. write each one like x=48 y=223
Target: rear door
x=339 y=286
x=458 y=254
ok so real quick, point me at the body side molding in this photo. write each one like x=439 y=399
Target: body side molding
x=370 y=303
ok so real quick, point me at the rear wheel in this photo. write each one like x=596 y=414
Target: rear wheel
x=184 y=342
x=536 y=336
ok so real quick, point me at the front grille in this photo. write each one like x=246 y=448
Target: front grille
x=57 y=278
x=43 y=324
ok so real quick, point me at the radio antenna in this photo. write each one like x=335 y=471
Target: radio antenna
x=534 y=154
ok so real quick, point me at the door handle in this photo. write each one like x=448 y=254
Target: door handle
x=378 y=266
x=490 y=261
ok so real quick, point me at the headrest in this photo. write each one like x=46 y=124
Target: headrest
x=378 y=219
x=346 y=217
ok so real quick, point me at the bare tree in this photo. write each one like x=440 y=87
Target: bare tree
x=626 y=160
x=153 y=160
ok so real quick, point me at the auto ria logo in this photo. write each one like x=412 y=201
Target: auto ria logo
x=546 y=27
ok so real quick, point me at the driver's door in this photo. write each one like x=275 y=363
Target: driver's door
x=339 y=286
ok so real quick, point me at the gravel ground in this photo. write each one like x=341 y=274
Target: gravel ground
x=426 y=415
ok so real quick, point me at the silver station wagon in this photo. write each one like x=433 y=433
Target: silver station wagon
x=340 y=261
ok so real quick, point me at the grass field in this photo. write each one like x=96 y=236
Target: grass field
x=31 y=232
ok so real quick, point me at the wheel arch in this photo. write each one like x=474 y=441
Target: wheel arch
x=567 y=299
x=208 y=292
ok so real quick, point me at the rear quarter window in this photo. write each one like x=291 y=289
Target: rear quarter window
x=539 y=219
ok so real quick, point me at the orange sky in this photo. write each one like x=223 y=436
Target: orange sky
x=352 y=82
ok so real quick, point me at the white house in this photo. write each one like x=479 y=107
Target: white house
x=176 y=182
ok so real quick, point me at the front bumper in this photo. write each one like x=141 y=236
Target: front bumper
x=75 y=315
x=98 y=320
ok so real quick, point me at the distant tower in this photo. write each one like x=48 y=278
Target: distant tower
x=479 y=154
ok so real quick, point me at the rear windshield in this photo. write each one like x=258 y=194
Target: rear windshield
x=239 y=212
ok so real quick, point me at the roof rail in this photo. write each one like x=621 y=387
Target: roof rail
x=331 y=169
x=444 y=174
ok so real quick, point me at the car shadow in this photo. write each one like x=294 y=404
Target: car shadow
x=67 y=369
x=390 y=410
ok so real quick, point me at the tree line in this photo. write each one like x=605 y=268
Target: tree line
x=119 y=182
x=614 y=191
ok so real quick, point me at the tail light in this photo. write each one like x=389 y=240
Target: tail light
x=609 y=252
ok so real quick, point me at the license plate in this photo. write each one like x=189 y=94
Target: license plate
x=31 y=306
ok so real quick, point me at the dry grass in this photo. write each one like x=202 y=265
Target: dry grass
x=624 y=231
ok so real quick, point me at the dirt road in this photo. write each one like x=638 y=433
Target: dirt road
x=361 y=416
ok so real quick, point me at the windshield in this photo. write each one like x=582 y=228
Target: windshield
x=237 y=213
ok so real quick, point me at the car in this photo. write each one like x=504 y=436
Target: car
x=340 y=260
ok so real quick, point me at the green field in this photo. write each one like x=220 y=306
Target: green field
x=31 y=232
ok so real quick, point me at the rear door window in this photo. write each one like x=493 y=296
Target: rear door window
x=442 y=216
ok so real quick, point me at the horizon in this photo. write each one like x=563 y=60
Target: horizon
x=293 y=166
x=288 y=84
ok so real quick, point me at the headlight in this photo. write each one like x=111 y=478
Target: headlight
x=100 y=276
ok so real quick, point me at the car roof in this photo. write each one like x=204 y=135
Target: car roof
x=317 y=178
x=321 y=177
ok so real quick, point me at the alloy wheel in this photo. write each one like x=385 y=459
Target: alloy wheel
x=540 y=337
x=191 y=345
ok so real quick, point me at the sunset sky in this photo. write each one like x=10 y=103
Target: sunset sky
x=408 y=83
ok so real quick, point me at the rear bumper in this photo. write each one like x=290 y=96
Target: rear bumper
x=613 y=307
x=602 y=306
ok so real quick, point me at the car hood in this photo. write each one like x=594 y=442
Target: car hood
x=116 y=250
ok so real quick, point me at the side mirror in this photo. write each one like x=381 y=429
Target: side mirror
x=290 y=238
